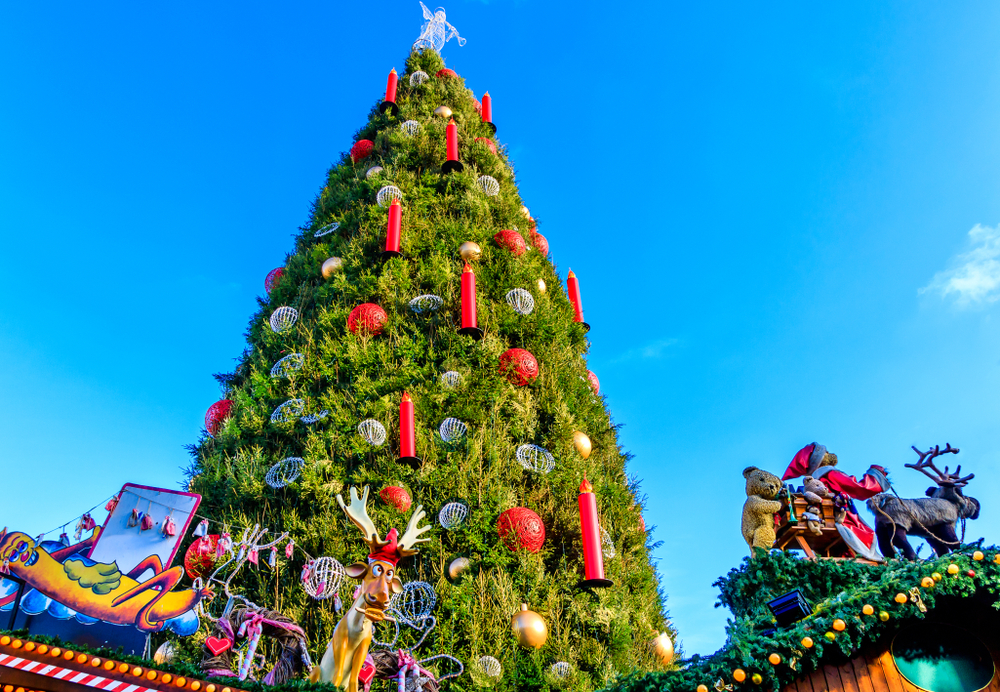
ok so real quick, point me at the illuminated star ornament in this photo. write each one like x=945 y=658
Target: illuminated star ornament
x=436 y=31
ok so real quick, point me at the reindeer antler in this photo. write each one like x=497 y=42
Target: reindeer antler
x=357 y=512
x=410 y=536
x=942 y=478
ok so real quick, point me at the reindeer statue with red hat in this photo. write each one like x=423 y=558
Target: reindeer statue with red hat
x=346 y=653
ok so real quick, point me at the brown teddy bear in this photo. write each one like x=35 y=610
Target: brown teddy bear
x=814 y=491
x=760 y=507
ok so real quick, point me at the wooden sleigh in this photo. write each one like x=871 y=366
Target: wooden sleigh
x=792 y=533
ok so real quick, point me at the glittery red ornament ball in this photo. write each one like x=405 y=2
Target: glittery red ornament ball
x=540 y=242
x=361 y=149
x=200 y=559
x=478 y=105
x=511 y=240
x=519 y=366
x=272 y=278
x=488 y=142
x=397 y=497
x=217 y=414
x=445 y=72
x=521 y=528
x=595 y=383
x=368 y=318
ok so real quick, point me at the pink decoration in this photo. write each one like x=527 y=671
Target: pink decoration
x=595 y=383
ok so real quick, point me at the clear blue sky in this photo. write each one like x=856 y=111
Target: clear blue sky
x=769 y=207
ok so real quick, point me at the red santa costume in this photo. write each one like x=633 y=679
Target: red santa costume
x=855 y=532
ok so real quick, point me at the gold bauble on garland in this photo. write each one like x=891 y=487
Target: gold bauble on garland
x=663 y=648
x=883 y=616
x=978 y=555
x=332 y=266
x=868 y=609
x=774 y=659
x=457 y=566
x=757 y=678
x=927 y=582
x=807 y=642
x=470 y=251
x=541 y=289
x=839 y=625
x=529 y=628
x=953 y=568
x=900 y=598
x=582 y=444
x=443 y=111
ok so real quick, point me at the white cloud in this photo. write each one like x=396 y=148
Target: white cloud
x=650 y=350
x=973 y=277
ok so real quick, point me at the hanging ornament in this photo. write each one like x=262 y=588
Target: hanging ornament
x=426 y=303
x=134 y=518
x=486 y=112
x=510 y=239
x=165 y=654
x=488 y=143
x=407 y=432
x=284 y=472
x=582 y=443
x=323 y=578
x=331 y=266
x=201 y=530
x=607 y=545
x=418 y=78
x=388 y=105
x=326 y=230
x=489 y=667
x=372 y=432
x=489 y=185
x=520 y=528
x=283 y=319
x=113 y=502
x=396 y=497
x=539 y=241
x=372 y=172
x=458 y=566
x=451 y=379
x=560 y=669
x=452 y=430
x=452 y=515
x=470 y=320
x=224 y=545
x=590 y=529
x=443 y=112
x=451 y=164
x=288 y=411
x=252 y=556
x=393 y=231
x=368 y=318
x=388 y=194
x=540 y=285
x=470 y=251
x=287 y=365
x=416 y=601
x=64 y=538
x=520 y=300
x=573 y=291
x=289 y=549
x=311 y=418
x=146 y=522
x=595 y=383
x=272 y=278
x=529 y=628
x=216 y=415
x=361 y=150
x=272 y=561
x=411 y=128
x=169 y=528
x=519 y=366
x=88 y=522
x=535 y=458
x=78 y=531
x=445 y=73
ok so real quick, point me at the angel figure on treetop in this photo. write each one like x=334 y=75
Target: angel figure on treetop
x=436 y=31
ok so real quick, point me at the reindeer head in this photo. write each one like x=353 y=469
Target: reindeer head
x=378 y=575
x=949 y=485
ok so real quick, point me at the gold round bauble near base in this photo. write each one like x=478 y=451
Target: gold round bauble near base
x=457 y=566
x=541 y=285
x=582 y=443
x=442 y=111
x=663 y=648
x=525 y=212
x=470 y=251
x=332 y=266
x=529 y=628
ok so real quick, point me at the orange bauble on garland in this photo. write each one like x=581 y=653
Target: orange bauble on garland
x=520 y=528
x=519 y=366
x=368 y=318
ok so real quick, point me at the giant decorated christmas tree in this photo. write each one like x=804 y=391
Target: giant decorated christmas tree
x=418 y=340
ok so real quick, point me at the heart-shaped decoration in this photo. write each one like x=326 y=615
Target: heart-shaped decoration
x=218 y=646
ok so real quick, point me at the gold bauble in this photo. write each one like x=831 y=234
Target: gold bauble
x=457 y=566
x=332 y=266
x=663 y=648
x=165 y=653
x=541 y=285
x=443 y=111
x=470 y=251
x=529 y=628
x=583 y=444
x=525 y=212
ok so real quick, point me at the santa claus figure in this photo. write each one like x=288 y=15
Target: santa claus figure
x=814 y=460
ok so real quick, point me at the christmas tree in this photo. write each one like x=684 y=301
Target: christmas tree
x=353 y=326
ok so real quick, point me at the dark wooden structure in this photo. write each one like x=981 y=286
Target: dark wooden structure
x=795 y=535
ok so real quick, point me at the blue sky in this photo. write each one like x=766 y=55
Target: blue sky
x=784 y=218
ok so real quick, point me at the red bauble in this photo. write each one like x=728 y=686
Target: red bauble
x=368 y=318
x=445 y=72
x=217 y=414
x=272 y=278
x=540 y=242
x=478 y=105
x=200 y=558
x=361 y=149
x=396 y=497
x=595 y=383
x=511 y=240
x=521 y=528
x=519 y=366
x=488 y=142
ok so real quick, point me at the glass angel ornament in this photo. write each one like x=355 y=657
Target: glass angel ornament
x=436 y=31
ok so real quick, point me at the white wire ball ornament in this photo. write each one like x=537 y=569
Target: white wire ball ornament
x=451 y=379
x=283 y=319
x=452 y=515
x=416 y=601
x=521 y=301
x=387 y=194
x=372 y=432
x=372 y=172
x=560 y=669
x=287 y=365
x=418 y=78
x=284 y=472
x=288 y=411
x=311 y=418
x=490 y=667
x=607 y=545
x=411 y=127
x=535 y=458
x=326 y=230
x=452 y=430
x=489 y=185
x=323 y=579
x=426 y=303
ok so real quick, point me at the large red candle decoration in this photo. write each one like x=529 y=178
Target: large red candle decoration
x=407 y=432
x=392 y=230
x=451 y=148
x=590 y=527
x=487 y=112
x=470 y=324
x=573 y=288
x=389 y=104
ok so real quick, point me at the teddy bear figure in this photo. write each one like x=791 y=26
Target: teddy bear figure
x=760 y=507
x=814 y=491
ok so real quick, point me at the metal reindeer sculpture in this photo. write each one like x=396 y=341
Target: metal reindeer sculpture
x=932 y=518
x=345 y=654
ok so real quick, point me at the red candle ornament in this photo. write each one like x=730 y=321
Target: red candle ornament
x=392 y=230
x=573 y=288
x=590 y=527
x=487 y=112
x=451 y=148
x=407 y=432
x=470 y=324
x=389 y=104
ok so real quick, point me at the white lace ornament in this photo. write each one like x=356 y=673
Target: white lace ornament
x=411 y=127
x=284 y=472
x=288 y=411
x=372 y=432
x=490 y=667
x=326 y=230
x=535 y=458
x=283 y=319
x=451 y=379
x=322 y=578
x=426 y=303
x=287 y=365
x=372 y=172
x=311 y=418
x=560 y=669
x=452 y=430
x=418 y=78
x=387 y=194
x=452 y=515
x=607 y=545
x=489 y=185
x=522 y=301
x=436 y=31
x=415 y=602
